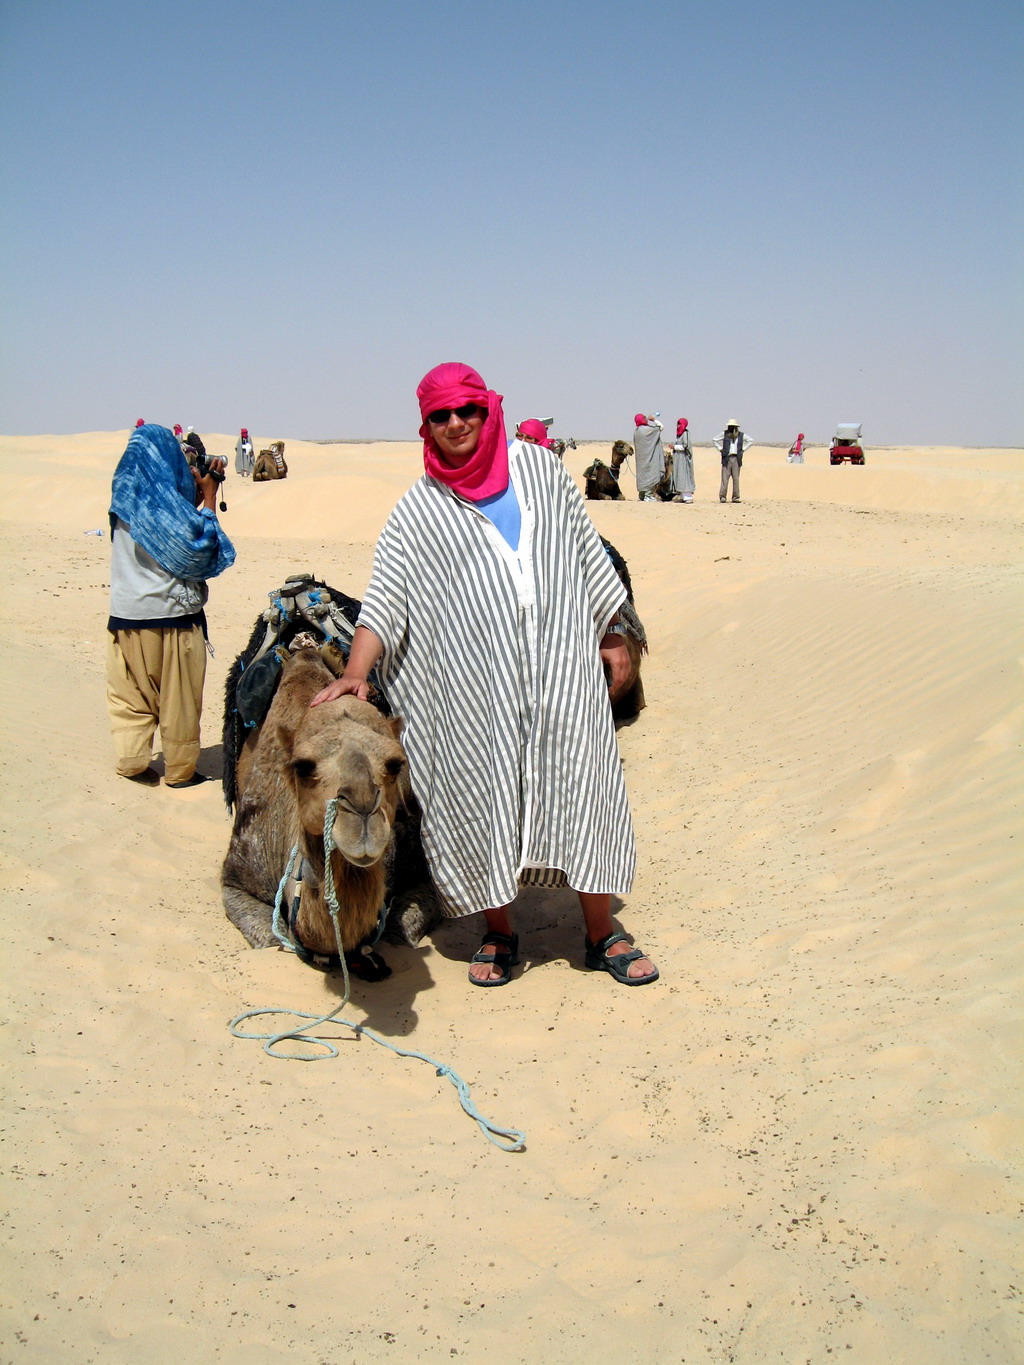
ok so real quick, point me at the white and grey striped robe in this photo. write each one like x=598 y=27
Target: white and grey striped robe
x=491 y=657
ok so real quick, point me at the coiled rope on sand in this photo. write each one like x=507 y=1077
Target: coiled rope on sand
x=508 y=1139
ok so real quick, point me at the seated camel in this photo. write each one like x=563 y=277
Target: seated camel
x=298 y=760
x=601 y=484
x=270 y=463
x=621 y=451
x=664 y=488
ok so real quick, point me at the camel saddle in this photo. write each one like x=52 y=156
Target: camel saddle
x=304 y=611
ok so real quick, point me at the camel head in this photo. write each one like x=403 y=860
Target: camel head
x=346 y=749
x=621 y=450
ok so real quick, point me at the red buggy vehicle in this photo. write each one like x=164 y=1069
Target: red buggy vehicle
x=846 y=444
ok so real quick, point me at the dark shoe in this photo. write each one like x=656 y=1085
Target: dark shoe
x=194 y=781
x=504 y=958
x=597 y=959
x=149 y=777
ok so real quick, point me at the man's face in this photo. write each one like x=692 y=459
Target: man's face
x=458 y=437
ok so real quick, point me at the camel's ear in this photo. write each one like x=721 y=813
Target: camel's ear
x=396 y=725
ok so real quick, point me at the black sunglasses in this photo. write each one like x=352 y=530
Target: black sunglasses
x=442 y=416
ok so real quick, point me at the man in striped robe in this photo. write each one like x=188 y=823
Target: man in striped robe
x=491 y=610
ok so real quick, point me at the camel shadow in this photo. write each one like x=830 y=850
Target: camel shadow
x=388 y=1004
x=549 y=924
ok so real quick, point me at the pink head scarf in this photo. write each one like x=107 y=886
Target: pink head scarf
x=485 y=472
x=535 y=428
x=640 y=419
x=681 y=425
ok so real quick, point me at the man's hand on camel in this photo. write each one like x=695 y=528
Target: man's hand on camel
x=343 y=687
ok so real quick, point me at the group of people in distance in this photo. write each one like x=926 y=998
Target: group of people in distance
x=651 y=464
x=732 y=443
x=191 y=443
x=491 y=617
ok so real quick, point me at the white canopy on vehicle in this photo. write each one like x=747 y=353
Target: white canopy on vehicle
x=848 y=433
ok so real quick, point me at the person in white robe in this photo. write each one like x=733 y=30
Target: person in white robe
x=650 y=456
x=244 y=457
x=491 y=616
x=683 y=484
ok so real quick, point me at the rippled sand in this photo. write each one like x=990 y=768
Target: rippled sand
x=800 y=1145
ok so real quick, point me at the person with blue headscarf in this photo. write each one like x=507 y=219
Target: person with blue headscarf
x=165 y=543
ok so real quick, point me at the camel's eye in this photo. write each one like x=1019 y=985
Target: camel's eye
x=394 y=765
x=304 y=769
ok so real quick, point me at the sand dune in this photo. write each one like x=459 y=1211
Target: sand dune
x=803 y=1143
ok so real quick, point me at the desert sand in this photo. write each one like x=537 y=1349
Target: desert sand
x=801 y=1144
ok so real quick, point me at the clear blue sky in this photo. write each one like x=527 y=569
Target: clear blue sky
x=281 y=214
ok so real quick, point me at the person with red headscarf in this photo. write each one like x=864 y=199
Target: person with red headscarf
x=683 y=485
x=244 y=457
x=796 y=451
x=490 y=615
x=650 y=456
x=535 y=431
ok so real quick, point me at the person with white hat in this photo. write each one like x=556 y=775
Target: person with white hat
x=732 y=443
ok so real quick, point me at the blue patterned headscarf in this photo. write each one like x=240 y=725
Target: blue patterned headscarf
x=154 y=494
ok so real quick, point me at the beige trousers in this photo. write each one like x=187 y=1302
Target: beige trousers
x=156 y=677
x=730 y=470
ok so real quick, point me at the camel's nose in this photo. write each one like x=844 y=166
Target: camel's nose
x=362 y=804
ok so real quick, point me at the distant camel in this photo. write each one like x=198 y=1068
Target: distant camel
x=270 y=463
x=300 y=758
x=621 y=452
x=664 y=488
x=601 y=483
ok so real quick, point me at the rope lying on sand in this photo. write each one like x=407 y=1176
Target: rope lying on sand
x=508 y=1139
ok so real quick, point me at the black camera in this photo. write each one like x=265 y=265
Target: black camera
x=205 y=465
